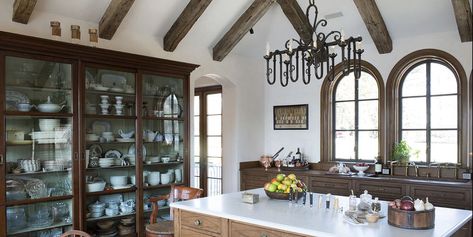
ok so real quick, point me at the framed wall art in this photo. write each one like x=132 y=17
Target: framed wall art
x=291 y=117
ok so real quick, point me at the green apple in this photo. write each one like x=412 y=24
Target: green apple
x=272 y=188
x=280 y=177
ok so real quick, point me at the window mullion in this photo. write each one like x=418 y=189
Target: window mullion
x=356 y=121
x=428 y=115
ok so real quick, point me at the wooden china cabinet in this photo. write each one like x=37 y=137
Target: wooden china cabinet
x=87 y=129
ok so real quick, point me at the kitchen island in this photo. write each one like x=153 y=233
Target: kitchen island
x=227 y=215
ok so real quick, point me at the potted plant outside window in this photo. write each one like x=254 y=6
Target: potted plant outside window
x=401 y=152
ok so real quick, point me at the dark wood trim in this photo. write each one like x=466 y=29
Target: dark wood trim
x=470 y=154
x=375 y=24
x=22 y=10
x=184 y=23
x=38 y=46
x=82 y=169
x=140 y=222
x=113 y=17
x=393 y=87
x=2 y=140
x=326 y=113
x=239 y=29
x=298 y=19
x=249 y=164
x=76 y=151
x=463 y=17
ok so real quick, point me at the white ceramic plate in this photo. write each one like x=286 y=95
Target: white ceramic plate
x=95 y=150
x=113 y=154
x=125 y=139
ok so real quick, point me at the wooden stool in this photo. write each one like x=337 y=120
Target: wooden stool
x=166 y=228
x=160 y=229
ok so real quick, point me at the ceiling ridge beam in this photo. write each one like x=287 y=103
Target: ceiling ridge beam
x=298 y=19
x=462 y=10
x=22 y=10
x=113 y=17
x=184 y=23
x=239 y=29
x=375 y=24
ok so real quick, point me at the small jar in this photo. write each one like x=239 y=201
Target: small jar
x=376 y=205
x=75 y=33
x=55 y=29
x=93 y=37
x=352 y=203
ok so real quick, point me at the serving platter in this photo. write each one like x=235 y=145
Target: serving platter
x=113 y=154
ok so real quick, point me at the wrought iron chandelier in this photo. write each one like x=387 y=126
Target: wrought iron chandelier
x=315 y=56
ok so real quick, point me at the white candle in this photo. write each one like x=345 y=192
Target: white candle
x=331 y=49
x=290 y=46
x=267 y=48
x=359 y=45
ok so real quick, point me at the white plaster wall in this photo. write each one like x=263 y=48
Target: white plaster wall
x=297 y=93
x=244 y=123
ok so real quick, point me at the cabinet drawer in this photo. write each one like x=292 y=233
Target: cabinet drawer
x=188 y=232
x=328 y=185
x=443 y=196
x=383 y=190
x=201 y=222
x=238 y=229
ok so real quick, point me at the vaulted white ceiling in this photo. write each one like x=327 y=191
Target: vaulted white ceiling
x=403 y=18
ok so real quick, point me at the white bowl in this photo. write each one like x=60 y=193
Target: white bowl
x=165 y=159
x=48 y=124
x=96 y=214
x=118 y=180
x=361 y=169
x=95 y=187
x=111 y=212
x=49 y=108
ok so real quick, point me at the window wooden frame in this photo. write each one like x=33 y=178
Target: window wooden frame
x=202 y=92
x=326 y=113
x=393 y=87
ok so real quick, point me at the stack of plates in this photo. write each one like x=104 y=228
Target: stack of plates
x=106 y=162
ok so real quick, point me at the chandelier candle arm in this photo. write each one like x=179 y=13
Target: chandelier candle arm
x=317 y=56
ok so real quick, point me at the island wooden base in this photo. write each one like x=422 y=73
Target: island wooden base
x=191 y=224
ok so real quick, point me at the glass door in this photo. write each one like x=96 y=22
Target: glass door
x=163 y=138
x=109 y=136
x=38 y=117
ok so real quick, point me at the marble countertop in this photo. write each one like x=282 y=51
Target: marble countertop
x=315 y=221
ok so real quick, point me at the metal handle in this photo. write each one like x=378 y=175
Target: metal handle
x=1 y=159
x=197 y=222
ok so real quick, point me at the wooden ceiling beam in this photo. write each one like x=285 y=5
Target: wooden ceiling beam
x=375 y=24
x=184 y=23
x=113 y=17
x=22 y=10
x=239 y=29
x=298 y=19
x=463 y=17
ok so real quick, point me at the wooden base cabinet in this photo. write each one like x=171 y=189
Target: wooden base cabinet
x=75 y=115
x=191 y=224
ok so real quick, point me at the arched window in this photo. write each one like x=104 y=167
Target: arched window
x=352 y=116
x=427 y=106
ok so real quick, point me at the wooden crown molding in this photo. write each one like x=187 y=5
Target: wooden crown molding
x=22 y=10
x=375 y=24
x=46 y=47
x=239 y=29
x=113 y=17
x=298 y=19
x=184 y=23
x=463 y=17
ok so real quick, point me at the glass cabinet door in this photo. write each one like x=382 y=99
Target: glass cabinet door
x=38 y=146
x=111 y=155
x=163 y=137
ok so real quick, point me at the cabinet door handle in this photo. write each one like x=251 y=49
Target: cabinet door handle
x=1 y=159
x=197 y=222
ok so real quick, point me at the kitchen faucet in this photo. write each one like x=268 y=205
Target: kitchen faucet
x=416 y=167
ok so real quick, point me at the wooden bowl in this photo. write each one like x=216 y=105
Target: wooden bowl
x=418 y=220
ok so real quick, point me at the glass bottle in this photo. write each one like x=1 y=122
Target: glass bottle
x=376 y=206
x=378 y=166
